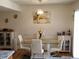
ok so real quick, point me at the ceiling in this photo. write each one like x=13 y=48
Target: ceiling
x=43 y=1
x=2 y=9
x=37 y=2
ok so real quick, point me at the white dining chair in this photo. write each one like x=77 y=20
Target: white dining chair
x=59 y=47
x=36 y=49
x=22 y=44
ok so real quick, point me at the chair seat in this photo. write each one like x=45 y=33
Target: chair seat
x=54 y=49
x=27 y=48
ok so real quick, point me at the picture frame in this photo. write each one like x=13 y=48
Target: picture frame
x=41 y=18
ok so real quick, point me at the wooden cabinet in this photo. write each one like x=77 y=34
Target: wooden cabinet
x=66 y=42
x=6 y=39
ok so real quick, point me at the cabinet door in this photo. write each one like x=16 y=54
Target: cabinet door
x=8 y=39
x=67 y=43
x=2 y=39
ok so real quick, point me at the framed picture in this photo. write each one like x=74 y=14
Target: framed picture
x=41 y=17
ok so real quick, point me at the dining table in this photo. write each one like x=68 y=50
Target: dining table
x=6 y=54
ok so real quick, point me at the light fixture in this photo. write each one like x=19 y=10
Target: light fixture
x=39 y=1
x=40 y=12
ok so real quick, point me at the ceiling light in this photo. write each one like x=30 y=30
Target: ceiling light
x=40 y=0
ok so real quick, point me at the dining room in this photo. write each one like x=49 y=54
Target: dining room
x=52 y=22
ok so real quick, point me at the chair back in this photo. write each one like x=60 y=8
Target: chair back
x=20 y=39
x=60 y=41
x=36 y=46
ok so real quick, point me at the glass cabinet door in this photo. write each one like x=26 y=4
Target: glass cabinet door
x=8 y=39
x=67 y=43
x=1 y=39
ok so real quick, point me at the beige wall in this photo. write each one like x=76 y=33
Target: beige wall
x=76 y=5
x=61 y=19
